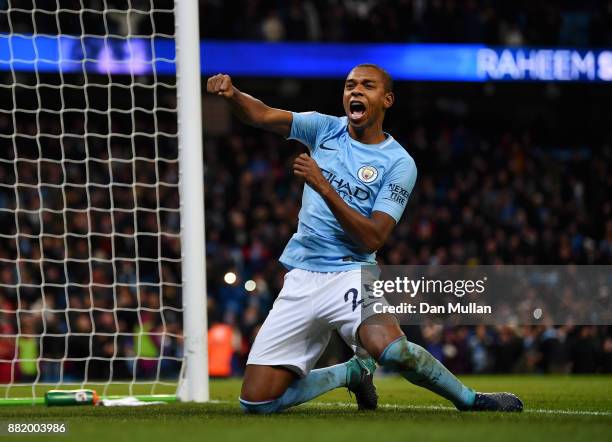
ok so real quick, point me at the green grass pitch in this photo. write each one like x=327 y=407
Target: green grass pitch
x=557 y=408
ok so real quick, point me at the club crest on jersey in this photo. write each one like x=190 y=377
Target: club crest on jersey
x=367 y=174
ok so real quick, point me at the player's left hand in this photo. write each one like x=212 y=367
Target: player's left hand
x=308 y=169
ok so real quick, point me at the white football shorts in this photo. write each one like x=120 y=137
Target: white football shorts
x=310 y=306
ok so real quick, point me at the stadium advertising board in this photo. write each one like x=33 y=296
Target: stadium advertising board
x=420 y=62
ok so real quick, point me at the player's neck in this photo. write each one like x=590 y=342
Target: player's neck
x=367 y=135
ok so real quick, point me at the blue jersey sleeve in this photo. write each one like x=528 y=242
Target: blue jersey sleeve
x=310 y=128
x=397 y=187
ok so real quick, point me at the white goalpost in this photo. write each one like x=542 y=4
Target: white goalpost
x=194 y=384
x=102 y=258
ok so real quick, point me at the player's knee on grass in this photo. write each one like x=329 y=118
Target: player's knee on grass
x=265 y=407
x=264 y=383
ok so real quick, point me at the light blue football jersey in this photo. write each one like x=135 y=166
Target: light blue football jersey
x=368 y=177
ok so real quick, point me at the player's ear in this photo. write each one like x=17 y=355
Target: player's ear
x=388 y=100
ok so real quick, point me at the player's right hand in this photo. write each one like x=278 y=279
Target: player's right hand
x=221 y=85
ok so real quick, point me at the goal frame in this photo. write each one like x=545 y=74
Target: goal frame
x=193 y=383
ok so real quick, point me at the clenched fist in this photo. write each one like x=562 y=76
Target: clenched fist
x=221 y=85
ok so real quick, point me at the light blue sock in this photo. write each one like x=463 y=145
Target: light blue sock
x=418 y=366
x=302 y=390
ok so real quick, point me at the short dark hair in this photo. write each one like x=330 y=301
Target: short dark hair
x=387 y=80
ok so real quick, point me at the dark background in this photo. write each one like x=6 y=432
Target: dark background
x=512 y=173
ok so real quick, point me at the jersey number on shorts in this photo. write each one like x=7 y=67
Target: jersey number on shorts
x=355 y=294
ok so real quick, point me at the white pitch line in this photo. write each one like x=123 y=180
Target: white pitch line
x=443 y=408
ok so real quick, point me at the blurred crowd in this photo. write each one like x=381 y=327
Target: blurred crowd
x=479 y=199
x=94 y=290
x=528 y=349
x=494 y=22
x=89 y=235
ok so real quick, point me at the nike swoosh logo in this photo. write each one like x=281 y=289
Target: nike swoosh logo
x=364 y=305
x=324 y=147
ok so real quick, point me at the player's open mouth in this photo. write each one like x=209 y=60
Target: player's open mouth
x=356 y=110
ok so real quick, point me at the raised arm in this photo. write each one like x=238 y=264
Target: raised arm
x=248 y=109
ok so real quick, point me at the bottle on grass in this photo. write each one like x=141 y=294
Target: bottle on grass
x=71 y=397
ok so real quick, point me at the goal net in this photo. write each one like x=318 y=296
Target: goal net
x=90 y=210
